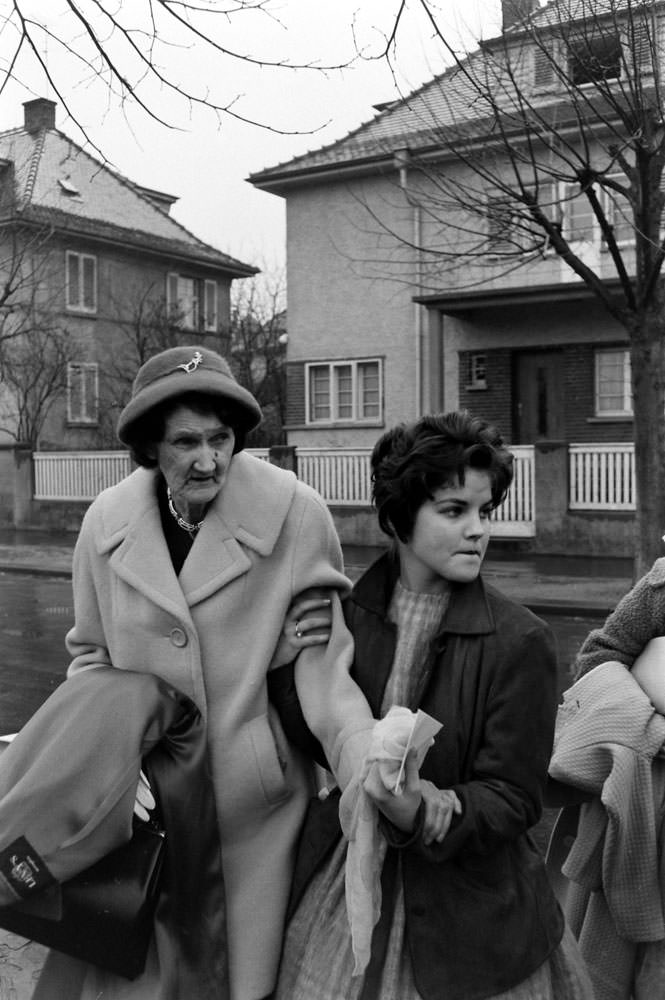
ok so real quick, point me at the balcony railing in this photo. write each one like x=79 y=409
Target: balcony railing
x=602 y=477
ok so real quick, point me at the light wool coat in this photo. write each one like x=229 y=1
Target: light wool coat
x=212 y=632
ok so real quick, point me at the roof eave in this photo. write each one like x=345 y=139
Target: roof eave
x=458 y=302
x=280 y=181
x=142 y=242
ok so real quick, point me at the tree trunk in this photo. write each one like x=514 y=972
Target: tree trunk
x=647 y=356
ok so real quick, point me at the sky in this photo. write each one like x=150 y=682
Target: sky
x=205 y=162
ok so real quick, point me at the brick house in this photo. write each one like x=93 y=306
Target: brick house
x=105 y=270
x=382 y=330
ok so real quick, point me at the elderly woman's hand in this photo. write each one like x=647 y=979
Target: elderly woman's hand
x=307 y=623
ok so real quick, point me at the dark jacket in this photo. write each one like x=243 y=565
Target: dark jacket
x=480 y=913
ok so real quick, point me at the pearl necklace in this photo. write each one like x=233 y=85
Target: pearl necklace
x=180 y=521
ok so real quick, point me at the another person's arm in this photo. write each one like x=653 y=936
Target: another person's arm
x=639 y=617
x=333 y=705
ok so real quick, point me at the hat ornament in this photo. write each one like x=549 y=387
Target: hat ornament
x=191 y=366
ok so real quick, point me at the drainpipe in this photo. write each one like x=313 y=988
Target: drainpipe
x=402 y=159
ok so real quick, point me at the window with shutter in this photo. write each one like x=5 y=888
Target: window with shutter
x=640 y=50
x=544 y=72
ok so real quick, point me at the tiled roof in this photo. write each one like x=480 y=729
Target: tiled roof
x=57 y=182
x=450 y=101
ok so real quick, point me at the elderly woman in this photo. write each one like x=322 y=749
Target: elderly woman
x=187 y=569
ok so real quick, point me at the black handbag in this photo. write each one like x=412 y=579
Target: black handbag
x=104 y=915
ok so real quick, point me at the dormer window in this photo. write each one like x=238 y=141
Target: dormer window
x=592 y=59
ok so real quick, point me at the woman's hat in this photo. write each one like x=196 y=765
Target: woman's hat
x=180 y=370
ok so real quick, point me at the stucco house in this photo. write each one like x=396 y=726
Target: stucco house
x=99 y=273
x=403 y=300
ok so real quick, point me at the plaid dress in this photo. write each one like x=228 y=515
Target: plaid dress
x=317 y=959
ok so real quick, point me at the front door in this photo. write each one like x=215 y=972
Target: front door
x=539 y=396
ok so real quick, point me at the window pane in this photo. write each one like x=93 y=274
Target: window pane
x=368 y=390
x=319 y=393
x=620 y=215
x=595 y=59
x=172 y=291
x=90 y=393
x=73 y=288
x=210 y=306
x=88 y=282
x=344 y=391
x=75 y=392
x=187 y=302
x=580 y=218
x=613 y=393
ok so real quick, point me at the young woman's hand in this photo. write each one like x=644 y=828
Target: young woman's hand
x=441 y=804
x=307 y=623
x=400 y=810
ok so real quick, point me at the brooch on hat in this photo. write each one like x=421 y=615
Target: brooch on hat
x=192 y=365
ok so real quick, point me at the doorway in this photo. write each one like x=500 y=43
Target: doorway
x=538 y=396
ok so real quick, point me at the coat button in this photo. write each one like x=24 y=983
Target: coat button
x=418 y=911
x=178 y=637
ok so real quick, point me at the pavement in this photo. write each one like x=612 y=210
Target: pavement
x=546 y=584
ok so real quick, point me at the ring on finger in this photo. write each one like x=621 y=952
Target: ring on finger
x=298 y=632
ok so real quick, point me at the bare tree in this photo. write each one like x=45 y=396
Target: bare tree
x=33 y=377
x=148 y=54
x=556 y=124
x=35 y=349
x=256 y=348
x=144 y=326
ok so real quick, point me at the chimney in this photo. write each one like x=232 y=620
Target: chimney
x=516 y=12
x=37 y=114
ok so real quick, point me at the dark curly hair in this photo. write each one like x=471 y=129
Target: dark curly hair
x=149 y=430
x=411 y=461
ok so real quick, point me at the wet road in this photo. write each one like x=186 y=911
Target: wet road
x=36 y=612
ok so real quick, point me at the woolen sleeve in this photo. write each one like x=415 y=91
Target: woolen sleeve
x=333 y=705
x=86 y=641
x=639 y=617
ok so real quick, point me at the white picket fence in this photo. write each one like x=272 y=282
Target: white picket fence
x=340 y=475
x=77 y=475
x=516 y=517
x=602 y=477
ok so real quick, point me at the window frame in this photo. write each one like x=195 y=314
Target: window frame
x=82 y=420
x=334 y=372
x=80 y=305
x=627 y=409
x=587 y=41
x=477 y=361
x=198 y=309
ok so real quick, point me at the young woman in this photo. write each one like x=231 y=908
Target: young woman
x=468 y=913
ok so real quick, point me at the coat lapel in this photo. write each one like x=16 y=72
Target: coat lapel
x=245 y=519
x=140 y=556
x=247 y=516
